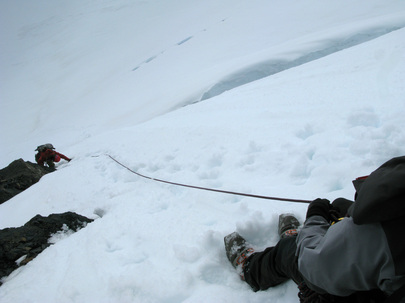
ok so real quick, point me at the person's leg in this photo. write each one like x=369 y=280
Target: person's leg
x=273 y=266
x=50 y=164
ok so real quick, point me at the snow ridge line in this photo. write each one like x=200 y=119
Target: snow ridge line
x=209 y=189
x=273 y=66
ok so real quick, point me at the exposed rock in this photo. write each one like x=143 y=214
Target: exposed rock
x=24 y=243
x=18 y=176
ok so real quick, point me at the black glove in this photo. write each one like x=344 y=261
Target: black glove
x=341 y=206
x=319 y=207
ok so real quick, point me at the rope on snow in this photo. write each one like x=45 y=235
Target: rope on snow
x=208 y=189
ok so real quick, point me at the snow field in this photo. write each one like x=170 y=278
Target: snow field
x=304 y=132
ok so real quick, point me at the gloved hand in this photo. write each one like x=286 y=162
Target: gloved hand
x=341 y=206
x=319 y=207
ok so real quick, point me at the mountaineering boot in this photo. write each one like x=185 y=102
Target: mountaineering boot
x=287 y=225
x=237 y=251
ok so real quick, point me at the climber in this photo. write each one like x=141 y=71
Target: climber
x=47 y=154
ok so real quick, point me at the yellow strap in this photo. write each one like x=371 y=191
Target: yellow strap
x=340 y=219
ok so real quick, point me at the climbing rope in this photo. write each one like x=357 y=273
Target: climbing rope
x=209 y=189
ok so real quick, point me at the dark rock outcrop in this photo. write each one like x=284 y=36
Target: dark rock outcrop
x=18 y=176
x=31 y=239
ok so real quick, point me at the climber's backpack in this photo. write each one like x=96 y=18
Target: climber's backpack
x=44 y=147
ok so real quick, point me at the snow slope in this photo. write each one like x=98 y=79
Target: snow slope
x=291 y=99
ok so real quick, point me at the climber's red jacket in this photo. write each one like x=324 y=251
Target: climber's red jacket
x=52 y=155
